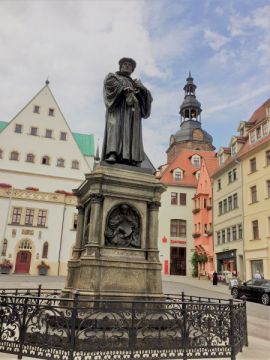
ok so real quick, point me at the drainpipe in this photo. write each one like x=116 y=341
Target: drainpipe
x=6 y=222
x=61 y=240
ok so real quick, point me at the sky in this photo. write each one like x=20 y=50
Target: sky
x=74 y=44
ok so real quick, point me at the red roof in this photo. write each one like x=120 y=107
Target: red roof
x=248 y=147
x=211 y=165
x=183 y=162
x=260 y=113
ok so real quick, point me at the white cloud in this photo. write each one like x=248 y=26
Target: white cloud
x=215 y=40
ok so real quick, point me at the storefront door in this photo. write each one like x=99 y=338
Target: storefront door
x=23 y=262
x=178 y=261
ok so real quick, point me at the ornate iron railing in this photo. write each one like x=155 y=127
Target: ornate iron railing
x=40 y=324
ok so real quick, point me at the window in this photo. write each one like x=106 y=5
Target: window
x=30 y=158
x=16 y=215
x=234 y=174
x=178 y=228
x=219 y=184
x=173 y=198
x=60 y=162
x=75 y=221
x=267 y=153
x=268 y=188
x=255 y=229
x=223 y=236
x=33 y=130
x=196 y=161
x=220 y=208
x=265 y=129
x=252 y=163
x=51 y=112
x=75 y=164
x=177 y=175
x=240 y=231
x=42 y=216
x=48 y=133
x=205 y=228
x=252 y=137
x=36 y=109
x=234 y=233
x=218 y=237
x=204 y=203
x=183 y=199
x=253 y=194
x=233 y=149
x=18 y=128
x=63 y=136
x=45 y=160
x=45 y=250
x=29 y=216
x=235 y=201
x=229 y=176
x=4 y=248
x=225 y=206
x=228 y=234
x=13 y=233
x=258 y=133
x=229 y=203
x=1 y=154
x=14 y=155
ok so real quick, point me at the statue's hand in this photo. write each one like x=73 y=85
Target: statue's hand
x=139 y=84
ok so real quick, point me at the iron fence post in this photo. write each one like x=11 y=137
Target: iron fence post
x=231 y=335
x=184 y=332
x=72 y=340
x=246 y=328
x=23 y=325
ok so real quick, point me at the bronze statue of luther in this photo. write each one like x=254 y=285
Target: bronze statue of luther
x=127 y=102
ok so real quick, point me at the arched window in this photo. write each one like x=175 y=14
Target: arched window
x=4 y=248
x=60 y=162
x=45 y=160
x=75 y=164
x=30 y=158
x=25 y=245
x=45 y=250
x=1 y=154
x=14 y=155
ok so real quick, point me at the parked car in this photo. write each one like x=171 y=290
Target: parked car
x=255 y=289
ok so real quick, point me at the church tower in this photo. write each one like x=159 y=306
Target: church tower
x=191 y=135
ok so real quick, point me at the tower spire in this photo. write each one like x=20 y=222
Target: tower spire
x=190 y=108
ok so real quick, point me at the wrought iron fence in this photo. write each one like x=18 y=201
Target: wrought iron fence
x=40 y=324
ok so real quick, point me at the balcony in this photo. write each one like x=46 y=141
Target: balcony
x=196 y=210
x=196 y=235
x=209 y=207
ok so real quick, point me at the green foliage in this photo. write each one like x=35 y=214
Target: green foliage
x=194 y=262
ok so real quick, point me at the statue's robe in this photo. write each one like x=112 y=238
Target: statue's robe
x=123 y=131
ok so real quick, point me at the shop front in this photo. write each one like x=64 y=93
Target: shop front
x=226 y=261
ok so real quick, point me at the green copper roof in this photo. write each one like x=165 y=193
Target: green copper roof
x=86 y=143
x=3 y=124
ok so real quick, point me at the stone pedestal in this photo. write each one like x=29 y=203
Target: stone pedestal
x=116 y=254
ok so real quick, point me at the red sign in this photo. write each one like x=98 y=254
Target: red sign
x=166 y=267
x=164 y=239
x=178 y=242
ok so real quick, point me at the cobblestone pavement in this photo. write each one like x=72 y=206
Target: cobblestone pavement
x=258 y=315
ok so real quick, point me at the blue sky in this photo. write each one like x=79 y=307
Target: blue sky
x=225 y=44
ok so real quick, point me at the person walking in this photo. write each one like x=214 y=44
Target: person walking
x=215 y=278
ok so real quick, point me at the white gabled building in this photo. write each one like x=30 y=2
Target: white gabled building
x=41 y=161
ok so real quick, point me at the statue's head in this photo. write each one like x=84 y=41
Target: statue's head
x=127 y=65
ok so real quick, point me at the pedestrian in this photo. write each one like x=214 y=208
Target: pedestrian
x=257 y=275
x=215 y=278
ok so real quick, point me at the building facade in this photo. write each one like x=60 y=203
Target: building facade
x=203 y=218
x=187 y=148
x=41 y=161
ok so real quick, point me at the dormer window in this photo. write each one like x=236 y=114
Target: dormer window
x=265 y=128
x=14 y=155
x=18 y=128
x=178 y=174
x=45 y=160
x=233 y=149
x=63 y=136
x=268 y=111
x=51 y=112
x=221 y=159
x=75 y=164
x=60 y=162
x=196 y=160
x=36 y=109
x=33 y=131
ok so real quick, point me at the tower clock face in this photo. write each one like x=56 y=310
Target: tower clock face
x=197 y=134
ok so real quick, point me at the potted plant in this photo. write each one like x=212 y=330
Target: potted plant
x=5 y=266
x=43 y=268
